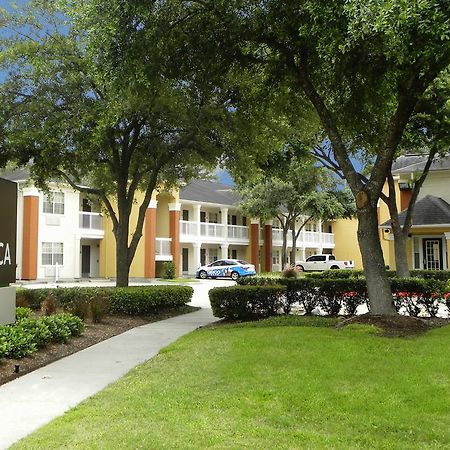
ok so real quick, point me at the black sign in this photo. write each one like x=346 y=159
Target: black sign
x=8 y=223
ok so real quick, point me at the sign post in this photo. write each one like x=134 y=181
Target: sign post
x=8 y=226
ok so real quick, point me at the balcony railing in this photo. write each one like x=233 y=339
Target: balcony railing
x=237 y=232
x=90 y=221
x=188 y=228
x=305 y=238
x=213 y=230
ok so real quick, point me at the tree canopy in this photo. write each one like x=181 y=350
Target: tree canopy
x=94 y=97
x=363 y=67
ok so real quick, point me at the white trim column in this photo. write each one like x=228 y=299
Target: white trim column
x=224 y=251
x=196 y=247
x=197 y=209
x=224 y=221
x=77 y=259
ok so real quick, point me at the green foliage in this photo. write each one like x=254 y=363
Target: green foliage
x=149 y=299
x=336 y=295
x=95 y=302
x=28 y=334
x=22 y=313
x=416 y=295
x=168 y=270
x=246 y=302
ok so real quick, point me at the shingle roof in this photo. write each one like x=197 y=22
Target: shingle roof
x=16 y=175
x=413 y=163
x=428 y=211
x=209 y=192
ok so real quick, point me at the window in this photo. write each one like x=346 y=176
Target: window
x=317 y=258
x=311 y=226
x=244 y=221
x=185 y=214
x=54 y=203
x=52 y=253
x=213 y=218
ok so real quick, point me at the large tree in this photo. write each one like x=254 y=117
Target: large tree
x=427 y=134
x=363 y=66
x=92 y=97
x=295 y=191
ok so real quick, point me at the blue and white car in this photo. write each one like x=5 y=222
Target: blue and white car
x=230 y=268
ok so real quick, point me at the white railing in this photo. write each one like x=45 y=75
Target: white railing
x=163 y=247
x=214 y=230
x=237 y=232
x=305 y=238
x=188 y=228
x=91 y=221
x=327 y=238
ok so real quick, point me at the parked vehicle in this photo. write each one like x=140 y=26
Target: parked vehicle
x=323 y=262
x=230 y=268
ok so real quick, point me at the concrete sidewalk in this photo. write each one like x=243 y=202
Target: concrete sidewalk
x=38 y=397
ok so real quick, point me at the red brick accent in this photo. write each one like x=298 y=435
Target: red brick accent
x=268 y=248
x=30 y=237
x=405 y=198
x=254 y=245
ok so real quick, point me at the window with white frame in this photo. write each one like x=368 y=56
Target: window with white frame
x=54 y=203
x=52 y=253
x=311 y=226
x=213 y=217
x=276 y=257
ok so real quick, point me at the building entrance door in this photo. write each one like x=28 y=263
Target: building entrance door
x=85 y=260
x=432 y=254
x=185 y=259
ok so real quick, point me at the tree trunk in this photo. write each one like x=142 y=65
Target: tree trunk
x=401 y=259
x=122 y=263
x=284 y=248
x=294 y=245
x=379 y=289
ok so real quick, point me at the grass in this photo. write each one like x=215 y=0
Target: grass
x=179 y=280
x=272 y=385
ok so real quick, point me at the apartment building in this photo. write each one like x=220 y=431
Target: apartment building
x=62 y=234
x=428 y=243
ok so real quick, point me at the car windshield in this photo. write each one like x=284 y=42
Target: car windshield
x=242 y=262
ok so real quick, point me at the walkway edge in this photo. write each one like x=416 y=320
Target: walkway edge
x=35 y=399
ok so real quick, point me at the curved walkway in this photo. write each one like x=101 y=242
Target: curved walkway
x=35 y=399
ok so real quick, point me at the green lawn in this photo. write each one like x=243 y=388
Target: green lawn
x=272 y=386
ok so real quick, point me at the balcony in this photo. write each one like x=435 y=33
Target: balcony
x=305 y=239
x=237 y=232
x=163 y=251
x=90 y=225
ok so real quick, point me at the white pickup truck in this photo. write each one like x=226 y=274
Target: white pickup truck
x=322 y=262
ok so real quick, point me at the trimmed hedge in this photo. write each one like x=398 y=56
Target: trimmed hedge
x=129 y=300
x=442 y=275
x=247 y=302
x=343 y=296
x=28 y=334
x=148 y=299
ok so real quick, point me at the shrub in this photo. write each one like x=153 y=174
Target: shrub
x=48 y=305
x=304 y=292
x=148 y=299
x=246 y=302
x=168 y=270
x=290 y=272
x=37 y=329
x=22 y=313
x=415 y=294
x=16 y=342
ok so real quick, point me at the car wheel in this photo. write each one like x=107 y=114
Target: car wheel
x=203 y=275
x=334 y=267
x=234 y=276
x=300 y=268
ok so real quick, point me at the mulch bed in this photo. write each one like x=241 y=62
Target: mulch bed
x=94 y=333
x=397 y=325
